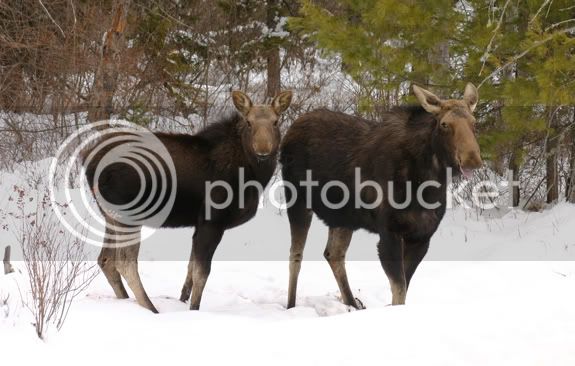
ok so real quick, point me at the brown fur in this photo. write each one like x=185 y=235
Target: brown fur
x=411 y=144
x=248 y=140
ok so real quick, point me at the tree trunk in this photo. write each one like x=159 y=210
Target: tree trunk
x=514 y=168
x=551 y=162
x=105 y=81
x=438 y=58
x=273 y=53
x=570 y=191
x=7 y=266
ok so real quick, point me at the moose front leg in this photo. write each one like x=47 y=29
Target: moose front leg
x=390 y=250
x=206 y=240
x=187 y=288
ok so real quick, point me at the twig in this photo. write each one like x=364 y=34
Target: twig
x=533 y=194
x=539 y=11
x=495 y=31
x=517 y=57
x=52 y=19
x=553 y=26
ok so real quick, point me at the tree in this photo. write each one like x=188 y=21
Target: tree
x=106 y=76
x=520 y=54
x=385 y=44
x=523 y=51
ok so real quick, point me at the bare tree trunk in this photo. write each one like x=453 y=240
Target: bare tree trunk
x=439 y=59
x=570 y=191
x=552 y=175
x=7 y=266
x=514 y=167
x=273 y=53
x=105 y=81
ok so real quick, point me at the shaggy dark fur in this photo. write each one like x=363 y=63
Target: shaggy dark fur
x=399 y=149
x=407 y=145
x=214 y=154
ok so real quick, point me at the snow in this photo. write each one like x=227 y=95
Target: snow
x=496 y=288
x=457 y=313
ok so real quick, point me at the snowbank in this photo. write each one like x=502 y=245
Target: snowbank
x=491 y=291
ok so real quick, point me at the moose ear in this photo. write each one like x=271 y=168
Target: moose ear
x=282 y=101
x=242 y=102
x=470 y=96
x=429 y=101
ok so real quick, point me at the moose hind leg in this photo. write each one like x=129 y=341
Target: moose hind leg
x=127 y=265
x=300 y=221
x=335 y=250
x=107 y=263
x=206 y=240
x=413 y=253
x=390 y=250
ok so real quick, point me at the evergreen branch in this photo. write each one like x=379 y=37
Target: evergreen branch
x=539 y=11
x=525 y=52
x=553 y=26
x=495 y=32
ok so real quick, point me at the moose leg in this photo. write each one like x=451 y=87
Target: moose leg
x=107 y=260
x=413 y=253
x=127 y=265
x=337 y=245
x=206 y=240
x=300 y=221
x=187 y=288
x=390 y=250
x=107 y=265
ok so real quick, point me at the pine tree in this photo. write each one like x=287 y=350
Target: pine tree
x=384 y=44
x=523 y=52
x=520 y=53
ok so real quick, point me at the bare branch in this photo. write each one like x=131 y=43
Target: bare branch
x=495 y=32
x=52 y=19
x=539 y=10
x=525 y=52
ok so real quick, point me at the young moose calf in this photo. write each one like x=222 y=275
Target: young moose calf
x=410 y=146
x=248 y=140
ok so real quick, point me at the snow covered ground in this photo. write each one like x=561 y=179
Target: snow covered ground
x=491 y=291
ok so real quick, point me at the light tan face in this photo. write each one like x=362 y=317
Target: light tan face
x=262 y=135
x=456 y=125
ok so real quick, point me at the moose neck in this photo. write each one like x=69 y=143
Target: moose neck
x=441 y=158
x=431 y=152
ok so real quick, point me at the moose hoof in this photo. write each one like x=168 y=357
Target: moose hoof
x=359 y=304
x=185 y=296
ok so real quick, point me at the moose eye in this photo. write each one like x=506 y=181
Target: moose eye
x=444 y=125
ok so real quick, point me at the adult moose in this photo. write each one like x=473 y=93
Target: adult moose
x=244 y=142
x=411 y=147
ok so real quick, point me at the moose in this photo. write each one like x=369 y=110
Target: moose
x=410 y=146
x=247 y=141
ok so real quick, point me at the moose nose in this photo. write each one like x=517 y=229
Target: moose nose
x=262 y=152
x=472 y=161
x=262 y=156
